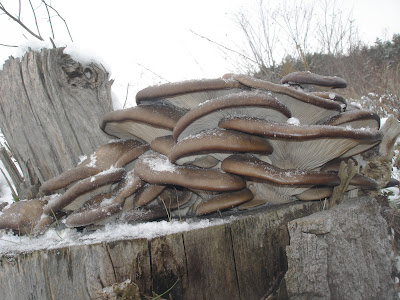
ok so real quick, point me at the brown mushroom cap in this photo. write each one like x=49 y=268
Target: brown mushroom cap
x=224 y=201
x=356 y=119
x=315 y=193
x=147 y=194
x=82 y=187
x=306 y=77
x=250 y=166
x=306 y=107
x=145 y=122
x=208 y=114
x=22 y=216
x=157 y=169
x=116 y=153
x=331 y=96
x=105 y=205
x=188 y=94
x=305 y=146
x=218 y=141
x=162 y=144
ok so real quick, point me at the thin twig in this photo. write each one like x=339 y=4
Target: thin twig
x=48 y=14
x=58 y=15
x=34 y=15
x=154 y=73
x=126 y=97
x=225 y=47
x=2 y=8
x=5 y=45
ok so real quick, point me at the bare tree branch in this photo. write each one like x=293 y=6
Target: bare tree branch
x=2 y=8
x=49 y=17
x=5 y=45
x=37 y=25
x=58 y=15
x=159 y=76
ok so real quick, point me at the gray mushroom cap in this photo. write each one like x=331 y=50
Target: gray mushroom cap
x=105 y=205
x=145 y=122
x=188 y=94
x=208 y=114
x=305 y=146
x=155 y=168
x=216 y=142
x=117 y=154
x=224 y=201
x=306 y=77
x=306 y=107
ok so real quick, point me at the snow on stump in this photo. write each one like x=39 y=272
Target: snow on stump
x=342 y=253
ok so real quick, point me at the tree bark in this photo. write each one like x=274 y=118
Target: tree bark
x=342 y=253
x=237 y=260
x=50 y=108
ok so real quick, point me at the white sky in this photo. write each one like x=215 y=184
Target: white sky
x=156 y=34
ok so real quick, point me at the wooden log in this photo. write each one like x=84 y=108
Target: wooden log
x=50 y=108
x=341 y=253
x=236 y=260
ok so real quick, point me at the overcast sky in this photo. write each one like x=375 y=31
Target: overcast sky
x=139 y=38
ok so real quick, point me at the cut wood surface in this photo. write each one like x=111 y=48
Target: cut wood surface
x=50 y=109
x=236 y=260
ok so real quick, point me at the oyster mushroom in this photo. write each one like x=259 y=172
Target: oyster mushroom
x=207 y=115
x=155 y=168
x=217 y=143
x=307 y=108
x=304 y=147
x=145 y=122
x=188 y=94
x=306 y=77
x=115 y=154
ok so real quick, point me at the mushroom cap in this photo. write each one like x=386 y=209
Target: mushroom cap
x=145 y=122
x=315 y=193
x=306 y=77
x=157 y=169
x=208 y=114
x=331 y=96
x=163 y=144
x=147 y=194
x=82 y=187
x=172 y=198
x=305 y=146
x=306 y=107
x=356 y=119
x=190 y=93
x=22 y=216
x=218 y=141
x=224 y=201
x=104 y=205
x=250 y=166
x=116 y=153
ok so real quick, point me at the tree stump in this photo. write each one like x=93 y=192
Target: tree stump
x=50 y=109
x=236 y=260
x=342 y=253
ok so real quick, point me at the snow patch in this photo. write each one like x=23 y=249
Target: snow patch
x=159 y=163
x=293 y=121
x=53 y=238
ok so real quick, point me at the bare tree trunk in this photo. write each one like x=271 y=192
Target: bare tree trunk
x=50 y=108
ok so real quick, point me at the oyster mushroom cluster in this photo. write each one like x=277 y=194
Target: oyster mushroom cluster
x=198 y=147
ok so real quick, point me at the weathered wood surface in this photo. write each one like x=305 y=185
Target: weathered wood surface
x=237 y=260
x=50 y=108
x=342 y=253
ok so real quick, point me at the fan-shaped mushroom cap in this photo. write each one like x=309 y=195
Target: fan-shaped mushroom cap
x=250 y=166
x=116 y=153
x=252 y=203
x=105 y=205
x=304 y=147
x=145 y=122
x=216 y=142
x=162 y=144
x=147 y=194
x=189 y=94
x=22 y=216
x=172 y=198
x=306 y=77
x=224 y=201
x=331 y=96
x=157 y=169
x=208 y=114
x=356 y=119
x=307 y=108
x=315 y=193
x=86 y=187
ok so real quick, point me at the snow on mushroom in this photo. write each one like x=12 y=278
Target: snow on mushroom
x=198 y=147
